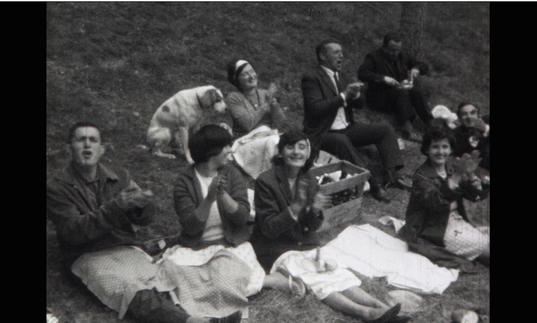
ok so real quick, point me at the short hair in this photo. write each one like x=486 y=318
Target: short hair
x=437 y=130
x=321 y=47
x=292 y=137
x=208 y=142
x=233 y=74
x=395 y=36
x=463 y=104
x=82 y=124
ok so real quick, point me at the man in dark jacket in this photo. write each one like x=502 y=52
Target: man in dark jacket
x=329 y=119
x=391 y=78
x=97 y=212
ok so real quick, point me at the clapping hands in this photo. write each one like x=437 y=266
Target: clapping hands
x=353 y=90
x=464 y=168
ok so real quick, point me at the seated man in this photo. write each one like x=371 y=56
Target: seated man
x=96 y=212
x=329 y=120
x=384 y=70
x=473 y=133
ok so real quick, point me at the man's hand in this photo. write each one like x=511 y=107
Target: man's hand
x=133 y=197
x=478 y=124
x=390 y=81
x=353 y=90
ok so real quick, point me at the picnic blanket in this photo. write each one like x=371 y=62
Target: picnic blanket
x=373 y=253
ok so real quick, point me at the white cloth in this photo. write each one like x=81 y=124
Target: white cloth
x=373 y=253
x=301 y=264
x=463 y=239
x=397 y=224
x=182 y=256
x=213 y=227
x=253 y=152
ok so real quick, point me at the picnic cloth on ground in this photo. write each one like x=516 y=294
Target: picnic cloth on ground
x=115 y=275
x=253 y=152
x=182 y=256
x=215 y=288
x=463 y=239
x=373 y=253
x=301 y=264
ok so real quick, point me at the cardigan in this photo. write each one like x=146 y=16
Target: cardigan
x=187 y=197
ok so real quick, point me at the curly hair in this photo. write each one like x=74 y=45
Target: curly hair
x=436 y=131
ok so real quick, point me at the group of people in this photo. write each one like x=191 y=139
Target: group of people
x=219 y=258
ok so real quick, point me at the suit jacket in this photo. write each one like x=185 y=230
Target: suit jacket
x=376 y=65
x=187 y=197
x=321 y=102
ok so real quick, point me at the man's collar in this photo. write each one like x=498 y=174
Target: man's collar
x=328 y=71
x=69 y=173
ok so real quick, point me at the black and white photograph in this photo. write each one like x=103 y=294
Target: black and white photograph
x=268 y=162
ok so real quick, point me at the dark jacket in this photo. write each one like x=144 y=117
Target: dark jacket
x=462 y=137
x=85 y=221
x=321 y=102
x=272 y=200
x=428 y=209
x=377 y=64
x=187 y=197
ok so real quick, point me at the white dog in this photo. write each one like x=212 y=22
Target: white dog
x=183 y=111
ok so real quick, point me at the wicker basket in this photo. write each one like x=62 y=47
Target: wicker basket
x=348 y=210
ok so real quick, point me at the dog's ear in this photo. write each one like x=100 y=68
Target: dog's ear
x=209 y=98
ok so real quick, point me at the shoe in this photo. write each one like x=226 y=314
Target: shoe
x=380 y=194
x=401 y=319
x=389 y=316
x=234 y=317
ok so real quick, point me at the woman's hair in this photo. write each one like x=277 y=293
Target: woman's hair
x=437 y=130
x=233 y=71
x=463 y=104
x=291 y=137
x=208 y=142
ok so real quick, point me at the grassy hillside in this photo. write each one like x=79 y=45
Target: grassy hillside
x=115 y=63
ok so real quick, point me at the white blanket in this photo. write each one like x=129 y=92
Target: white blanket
x=373 y=253
x=254 y=151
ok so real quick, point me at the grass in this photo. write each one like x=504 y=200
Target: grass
x=115 y=63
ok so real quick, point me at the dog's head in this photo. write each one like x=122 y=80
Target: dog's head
x=213 y=98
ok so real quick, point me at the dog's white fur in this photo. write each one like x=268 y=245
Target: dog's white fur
x=183 y=112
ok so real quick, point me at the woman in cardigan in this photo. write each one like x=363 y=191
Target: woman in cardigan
x=435 y=214
x=212 y=204
x=256 y=116
x=288 y=212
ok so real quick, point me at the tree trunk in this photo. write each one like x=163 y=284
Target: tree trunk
x=411 y=26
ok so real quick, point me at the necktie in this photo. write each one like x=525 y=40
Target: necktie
x=338 y=85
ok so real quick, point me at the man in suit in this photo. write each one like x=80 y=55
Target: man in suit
x=384 y=71
x=329 y=121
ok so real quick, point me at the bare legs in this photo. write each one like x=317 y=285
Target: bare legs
x=278 y=281
x=356 y=302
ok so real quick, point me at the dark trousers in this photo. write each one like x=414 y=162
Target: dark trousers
x=404 y=104
x=343 y=144
x=154 y=307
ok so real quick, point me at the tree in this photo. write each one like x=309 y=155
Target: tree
x=411 y=26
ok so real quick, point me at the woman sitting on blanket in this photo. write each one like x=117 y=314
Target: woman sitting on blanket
x=212 y=204
x=288 y=212
x=436 y=218
x=255 y=114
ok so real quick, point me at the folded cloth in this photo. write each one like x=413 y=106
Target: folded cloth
x=301 y=264
x=253 y=152
x=397 y=224
x=373 y=253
